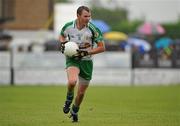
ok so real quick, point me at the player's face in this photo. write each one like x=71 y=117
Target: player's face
x=84 y=17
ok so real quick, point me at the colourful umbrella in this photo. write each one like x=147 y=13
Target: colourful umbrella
x=150 y=29
x=116 y=36
x=163 y=42
x=102 y=25
x=142 y=44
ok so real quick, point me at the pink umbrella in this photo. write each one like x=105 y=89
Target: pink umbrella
x=151 y=29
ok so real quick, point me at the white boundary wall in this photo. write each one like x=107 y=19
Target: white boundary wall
x=110 y=68
x=4 y=68
x=156 y=76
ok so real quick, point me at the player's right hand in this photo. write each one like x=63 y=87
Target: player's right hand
x=62 y=46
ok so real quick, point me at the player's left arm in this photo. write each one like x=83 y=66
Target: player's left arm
x=100 y=48
x=98 y=38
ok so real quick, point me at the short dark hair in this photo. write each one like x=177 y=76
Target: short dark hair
x=81 y=8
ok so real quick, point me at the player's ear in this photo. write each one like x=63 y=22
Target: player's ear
x=78 y=15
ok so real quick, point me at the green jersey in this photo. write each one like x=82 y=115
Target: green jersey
x=86 y=38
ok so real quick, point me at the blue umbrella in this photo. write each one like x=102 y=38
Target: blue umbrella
x=102 y=25
x=163 y=43
x=143 y=45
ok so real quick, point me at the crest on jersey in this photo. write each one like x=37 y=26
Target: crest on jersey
x=84 y=45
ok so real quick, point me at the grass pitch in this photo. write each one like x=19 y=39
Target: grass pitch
x=102 y=106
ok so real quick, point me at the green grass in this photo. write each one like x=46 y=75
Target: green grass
x=102 y=106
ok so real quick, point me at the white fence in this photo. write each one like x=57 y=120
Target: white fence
x=110 y=68
x=4 y=68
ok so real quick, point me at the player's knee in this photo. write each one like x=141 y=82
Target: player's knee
x=72 y=82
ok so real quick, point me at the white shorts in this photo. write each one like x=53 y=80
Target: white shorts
x=83 y=81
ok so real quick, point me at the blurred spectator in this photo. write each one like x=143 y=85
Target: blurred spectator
x=52 y=45
x=5 y=38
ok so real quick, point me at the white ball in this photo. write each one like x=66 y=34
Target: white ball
x=70 y=48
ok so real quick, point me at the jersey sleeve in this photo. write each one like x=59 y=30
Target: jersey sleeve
x=63 y=32
x=98 y=37
x=64 y=29
x=97 y=34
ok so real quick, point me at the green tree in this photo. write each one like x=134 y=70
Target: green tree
x=112 y=17
x=117 y=19
x=172 y=29
x=60 y=1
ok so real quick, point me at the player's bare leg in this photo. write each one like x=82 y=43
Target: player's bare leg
x=78 y=100
x=80 y=94
x=72 y=74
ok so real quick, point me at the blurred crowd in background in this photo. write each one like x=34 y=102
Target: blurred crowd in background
x=152 y=45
